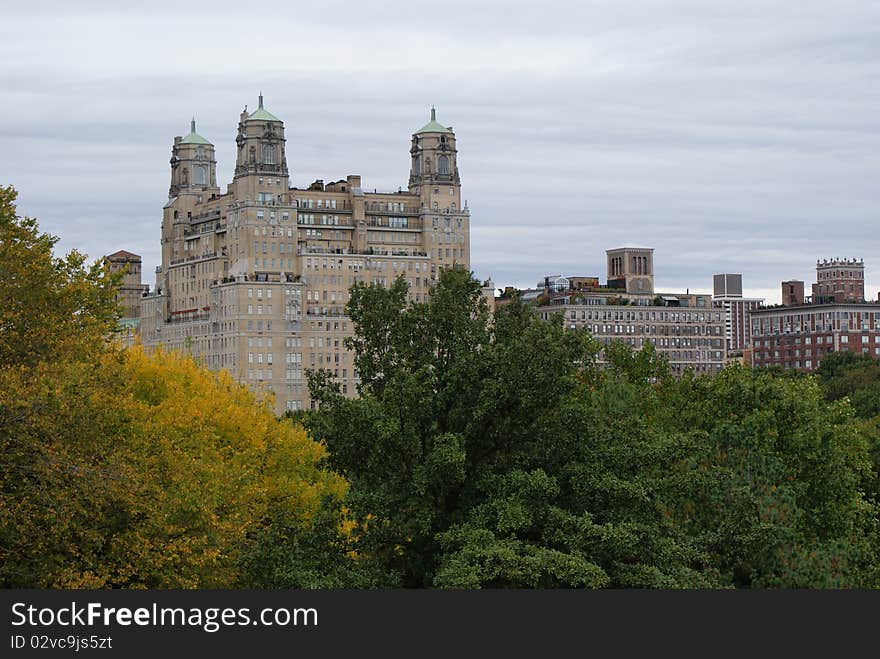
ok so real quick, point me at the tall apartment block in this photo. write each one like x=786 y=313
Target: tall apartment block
x=255 y=279
x=728 y=296
x=837 y=318
x=684 y=327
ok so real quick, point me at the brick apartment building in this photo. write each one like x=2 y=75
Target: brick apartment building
x=836 y=319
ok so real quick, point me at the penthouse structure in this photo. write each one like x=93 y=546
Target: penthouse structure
x=254 y=279
x=839 y=280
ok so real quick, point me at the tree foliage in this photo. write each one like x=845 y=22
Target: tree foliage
x=448 y=401
x=854 y=376
x=494 y=451
x=49 y=306
x=485 y=450
x=119 y=469
x=775 y=487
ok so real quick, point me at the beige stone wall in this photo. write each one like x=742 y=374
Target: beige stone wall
x=130 y=290
x=688 y=337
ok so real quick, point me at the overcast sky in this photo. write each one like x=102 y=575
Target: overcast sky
x=731 y=136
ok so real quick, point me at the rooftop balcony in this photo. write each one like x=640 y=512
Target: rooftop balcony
x=317 y=251
x=199 y=257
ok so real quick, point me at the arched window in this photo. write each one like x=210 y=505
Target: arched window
x=199 y=175
x=268 y=154
x=443 y=165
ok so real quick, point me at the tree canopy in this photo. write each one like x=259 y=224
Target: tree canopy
x=485 y=450
x=492 y=450
x=119 y=469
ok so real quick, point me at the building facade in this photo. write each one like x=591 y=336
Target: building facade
x=128 y=294
x=839 y=280
x=799 y=337
x=800 y=332
x=792 y=292
x=130 y=290
x=728 y=296
x=683 y=327
x=255 y=280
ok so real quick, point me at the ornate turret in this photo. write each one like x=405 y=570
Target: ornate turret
x=261 y=144
x=434 y=169
x=434 y=178
x=193 y=164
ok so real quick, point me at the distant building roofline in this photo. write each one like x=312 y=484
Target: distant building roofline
x=123 y=254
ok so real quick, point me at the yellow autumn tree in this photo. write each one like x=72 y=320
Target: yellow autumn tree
x=121 y=469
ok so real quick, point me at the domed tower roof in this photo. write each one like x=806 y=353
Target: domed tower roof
x=261 y=114
x=433 y=126
x=194 y=137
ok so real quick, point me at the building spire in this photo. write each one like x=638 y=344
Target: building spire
x=192 y=125
x=261 y=101
x=433 y=114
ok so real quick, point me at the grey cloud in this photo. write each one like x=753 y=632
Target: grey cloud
x=738 y=136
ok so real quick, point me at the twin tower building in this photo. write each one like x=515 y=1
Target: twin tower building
x=255 y=280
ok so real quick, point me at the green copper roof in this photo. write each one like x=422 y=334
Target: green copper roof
x=262 y=114
x=432 y=126
x=194 y=137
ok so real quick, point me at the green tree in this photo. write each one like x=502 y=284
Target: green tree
x=50 y=307
x=589 y=504
x=450 y=399
x=855 y=376
x=774 y=490
x=496 y=452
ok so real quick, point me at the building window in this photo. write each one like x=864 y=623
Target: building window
x=268 y=154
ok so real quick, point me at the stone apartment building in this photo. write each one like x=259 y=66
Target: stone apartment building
x=129 y=293
x=255 y=279
x=684 y=327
